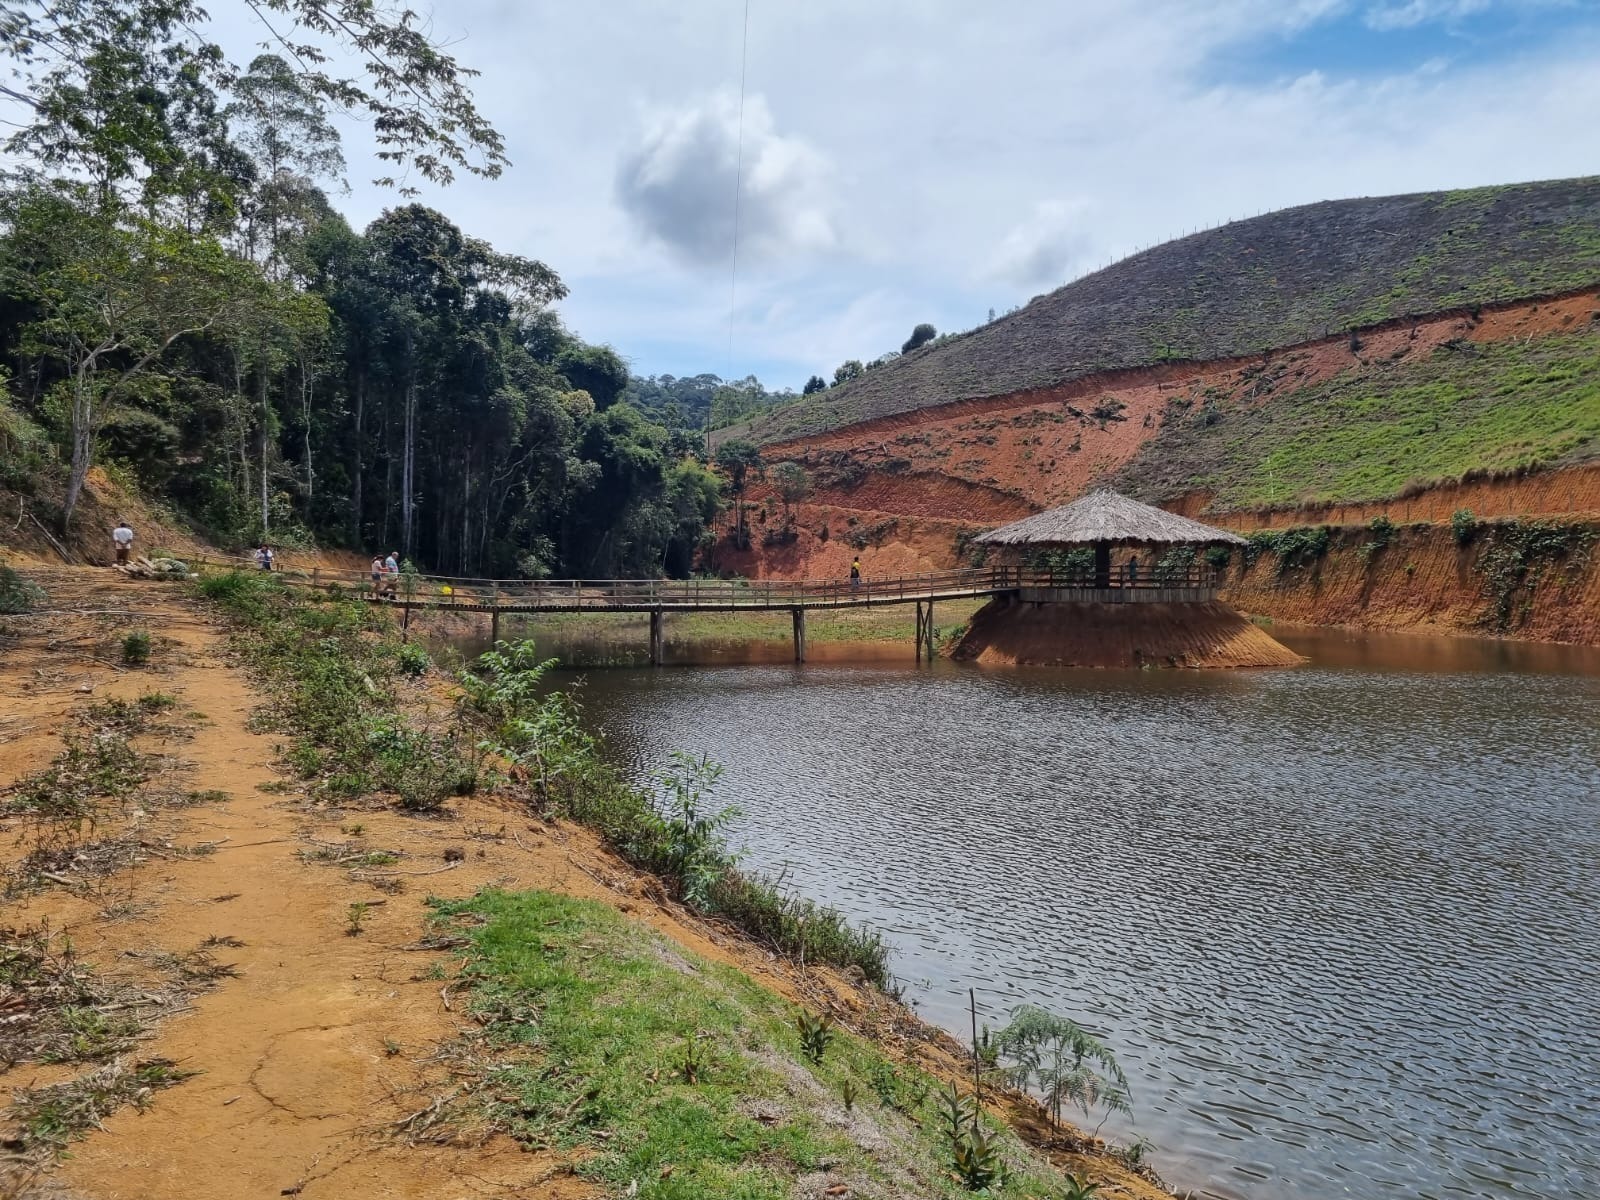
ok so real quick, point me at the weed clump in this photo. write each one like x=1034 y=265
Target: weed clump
x=333 y=663
x=136 y=648
x=1299 y=547
x=18 y=595
x=49 y=1118
x=1516 y=558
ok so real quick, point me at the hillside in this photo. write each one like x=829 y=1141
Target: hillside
x=1277 y=280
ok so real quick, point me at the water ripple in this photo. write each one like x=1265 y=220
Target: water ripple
x=1338 y=922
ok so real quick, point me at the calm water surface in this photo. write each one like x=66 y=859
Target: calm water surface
x=1339 y=922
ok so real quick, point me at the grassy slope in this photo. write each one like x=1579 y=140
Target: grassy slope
x=1366 y=434
x=594 y=1016
x=1271 y=281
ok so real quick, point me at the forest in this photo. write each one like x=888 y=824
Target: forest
x=182 y=304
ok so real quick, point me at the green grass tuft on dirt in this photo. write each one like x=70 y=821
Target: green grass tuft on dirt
x=670 y=1077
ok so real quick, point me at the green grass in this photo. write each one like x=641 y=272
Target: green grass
x=1369 y=433
x=591 y=1019
x=886 y=623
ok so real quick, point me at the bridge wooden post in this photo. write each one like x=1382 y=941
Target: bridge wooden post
x=799 y=617
x=924 y=630
x=494 y=627
x=656 y=639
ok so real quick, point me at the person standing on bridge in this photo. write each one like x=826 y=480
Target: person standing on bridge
x=377 y=574
x=391 y=572
x=855 y=574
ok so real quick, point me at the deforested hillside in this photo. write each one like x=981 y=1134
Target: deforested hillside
x=1401 y=418
x=1245 y=288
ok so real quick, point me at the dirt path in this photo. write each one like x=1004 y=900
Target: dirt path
x=324 y=1039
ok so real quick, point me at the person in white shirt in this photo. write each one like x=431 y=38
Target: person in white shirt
x=122 y=541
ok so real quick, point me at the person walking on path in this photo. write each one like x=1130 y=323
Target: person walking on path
x=264 y=557
x=855 y=574
x=391 y=571
x=377 y=574
x=122 y=542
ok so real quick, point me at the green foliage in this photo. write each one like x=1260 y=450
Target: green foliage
x=848 y=370
x=1072 y=566
x=136 y=648
x=1176 y=565
x=412 y=659
x=1518 y=556
x=1078 y=1188
x=668 y=1077
x=738 y=459
x=1382 y=530
x=1296 y=548
x=977 y=1161
x=1463 y=526
x=815 y=1034
x=328 y=664
x=1219 y=557
x=790 y=481
x=1063 y=1061
x=18 y=595
x=920 y=336
x=672 y=830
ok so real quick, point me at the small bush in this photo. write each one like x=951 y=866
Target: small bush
x=1463 y=526
x=18 y=595
x=136 y=648
x=413 y=659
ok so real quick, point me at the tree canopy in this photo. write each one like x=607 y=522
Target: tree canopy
x=180 y=300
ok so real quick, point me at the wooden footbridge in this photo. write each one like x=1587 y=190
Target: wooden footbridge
x=659 y=597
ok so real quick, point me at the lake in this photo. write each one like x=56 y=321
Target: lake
x=1338 y=922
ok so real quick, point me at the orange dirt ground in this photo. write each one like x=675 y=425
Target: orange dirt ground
x=323 y=1040
x=1011 y=633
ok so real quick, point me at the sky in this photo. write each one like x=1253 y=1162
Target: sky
x=929 y=160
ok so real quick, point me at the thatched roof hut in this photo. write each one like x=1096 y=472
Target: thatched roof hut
x=1105 y=518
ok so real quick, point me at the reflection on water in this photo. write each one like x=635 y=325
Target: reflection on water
x=1338 y=921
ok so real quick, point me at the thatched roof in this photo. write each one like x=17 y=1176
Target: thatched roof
x=1106 y=516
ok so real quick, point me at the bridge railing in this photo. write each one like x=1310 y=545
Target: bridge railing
x=441 y=591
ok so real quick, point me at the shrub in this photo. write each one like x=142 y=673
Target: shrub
x=1298 y=547
x=412 y=659
x=1218 y=557
x=1175 y=565
x=1463 y=526
x=136 y=648
x=1382 y=530
x=18 y=595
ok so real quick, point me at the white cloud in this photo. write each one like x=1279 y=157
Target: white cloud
x=925 y=161
x=1051 y=246
x=1410 y=13
x=678 y=183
